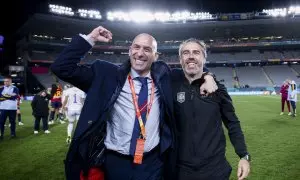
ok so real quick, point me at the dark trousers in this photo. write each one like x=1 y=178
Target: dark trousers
x=118 y=166
x=293 y=103
x=220 y=171
x=11 y=114
x=38 y=120
x=283 y=101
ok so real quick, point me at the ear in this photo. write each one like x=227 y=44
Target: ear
x=180 y=60
x=130 y=51
x=156 y=56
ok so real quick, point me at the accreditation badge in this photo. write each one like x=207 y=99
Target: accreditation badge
x=139 y=151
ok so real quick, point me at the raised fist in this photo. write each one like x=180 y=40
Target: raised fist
x=100 y=34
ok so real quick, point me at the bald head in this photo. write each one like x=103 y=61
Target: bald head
x=142 y=53
x=146 y=38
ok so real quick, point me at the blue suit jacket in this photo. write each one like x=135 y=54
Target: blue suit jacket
x=16 y=91
x=103 y=82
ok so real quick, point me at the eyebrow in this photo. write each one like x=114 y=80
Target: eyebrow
x=195 y=50
x=145 y=47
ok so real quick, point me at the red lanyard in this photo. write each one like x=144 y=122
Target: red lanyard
x=137 y=109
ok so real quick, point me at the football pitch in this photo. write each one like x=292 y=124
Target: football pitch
x=272 y=140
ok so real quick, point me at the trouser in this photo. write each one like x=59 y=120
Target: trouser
x=38 y=120
x=55 y=106
x=118 y=166
x=11 y=114
x=293 y=103
x=19 y=115
x=72 y=116
x=283 y=100
x=220 y=171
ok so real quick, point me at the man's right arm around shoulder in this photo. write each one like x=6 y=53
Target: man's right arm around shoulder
x=66 y=66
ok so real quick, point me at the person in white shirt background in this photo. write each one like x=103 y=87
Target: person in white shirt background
x=8 y=106
x=292 y=96
x=62 y=113
x=72 y=105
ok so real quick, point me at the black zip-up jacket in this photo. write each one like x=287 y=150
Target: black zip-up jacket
x=199 y=121
x=40 y=104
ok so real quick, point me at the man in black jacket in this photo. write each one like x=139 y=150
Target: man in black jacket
x=201 y=152
x=40 y=110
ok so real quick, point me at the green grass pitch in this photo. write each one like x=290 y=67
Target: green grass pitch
x=273 y=141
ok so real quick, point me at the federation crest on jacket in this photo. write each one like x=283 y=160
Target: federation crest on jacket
x=181 y=97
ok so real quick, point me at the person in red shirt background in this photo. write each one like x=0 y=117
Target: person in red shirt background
x=56 y=104
x=284 y=96
x=19 y=111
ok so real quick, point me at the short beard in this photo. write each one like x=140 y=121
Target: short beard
x=191 y=77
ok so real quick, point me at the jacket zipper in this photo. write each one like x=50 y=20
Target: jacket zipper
x=192 y=93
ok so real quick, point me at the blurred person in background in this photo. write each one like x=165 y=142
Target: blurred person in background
x=72 y=105
x=8 y=106
x=56 y=103
x=292 y=96
x=40 y=111
x=19 y=101
x=18 y=111
x=284 y=97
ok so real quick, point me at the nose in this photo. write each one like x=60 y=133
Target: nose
x=140 y=52
x=191 y=56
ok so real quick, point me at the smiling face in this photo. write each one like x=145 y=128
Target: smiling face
x=192 y=58
x=142 y=53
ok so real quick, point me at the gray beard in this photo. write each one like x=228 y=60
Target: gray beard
x=192 y=77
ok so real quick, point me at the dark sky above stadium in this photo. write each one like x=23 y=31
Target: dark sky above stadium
x=24 y=8
x=212 y=6
x=20 y=11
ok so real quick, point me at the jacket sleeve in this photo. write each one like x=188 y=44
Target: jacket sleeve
x=33 y=104
x=48 y=96
x=232 y=122
x=16 y=92
x=67 y=67
x=2 y=98
x=282 y=89
x=10 y=97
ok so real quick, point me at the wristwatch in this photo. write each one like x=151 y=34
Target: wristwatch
x=247 y=157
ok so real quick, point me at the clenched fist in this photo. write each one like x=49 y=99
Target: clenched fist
x=100 y=34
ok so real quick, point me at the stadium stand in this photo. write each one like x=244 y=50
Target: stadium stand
x=173 y=57
x=224 y=75
x=43 y=55
x=279 y=73
x=296 y=68
x=252 y=76
x=233 y=44
x=235 y=56
x=45 y=79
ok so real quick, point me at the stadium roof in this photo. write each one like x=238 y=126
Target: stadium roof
x=55 y=25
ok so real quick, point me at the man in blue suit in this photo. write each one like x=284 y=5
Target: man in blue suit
x=127 y=126
x=8 y=106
